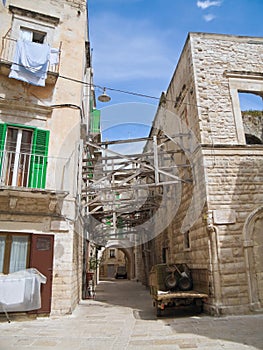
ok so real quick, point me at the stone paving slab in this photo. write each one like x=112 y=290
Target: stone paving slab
x=122 y=318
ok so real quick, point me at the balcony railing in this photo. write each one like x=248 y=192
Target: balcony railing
x=35 y=171
x=8 y=51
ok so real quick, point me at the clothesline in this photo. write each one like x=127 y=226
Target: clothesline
x=31 y=61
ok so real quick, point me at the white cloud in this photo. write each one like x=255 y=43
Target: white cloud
x=209 y=17
x=207 y=3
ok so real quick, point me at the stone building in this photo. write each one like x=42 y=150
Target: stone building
x=111 y=258
x=217 y=223
x=43 y=122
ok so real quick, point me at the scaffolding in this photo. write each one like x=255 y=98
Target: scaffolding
x=122 y=191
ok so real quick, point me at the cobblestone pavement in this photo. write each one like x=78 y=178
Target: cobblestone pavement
x=122 y=318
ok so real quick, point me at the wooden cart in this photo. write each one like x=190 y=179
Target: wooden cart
x=163 y=297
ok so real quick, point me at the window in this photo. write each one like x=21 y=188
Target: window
x=251 y=106
x=246 y=92
x=14 y=252
x=187 y=240
x=32 y=35
x=18 y=146
x=112 y=253
x=29 y=25
x=23 y=156
x=164 y=255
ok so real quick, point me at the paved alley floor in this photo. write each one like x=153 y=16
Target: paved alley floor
x=122 y=318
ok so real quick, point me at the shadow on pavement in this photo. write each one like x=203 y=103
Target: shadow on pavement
x=239 y=329
x=125 y=293
x=134 y=295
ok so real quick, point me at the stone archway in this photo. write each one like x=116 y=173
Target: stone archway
x=129 y=253
x=253 y=249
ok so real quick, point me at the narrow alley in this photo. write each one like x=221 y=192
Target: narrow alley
x=122 y=317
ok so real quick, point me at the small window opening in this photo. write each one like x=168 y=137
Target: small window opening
x=38 y=37
x=112 y=253
x=32 y=35
x=187 y=240
x=164 y=255
x=251 y=105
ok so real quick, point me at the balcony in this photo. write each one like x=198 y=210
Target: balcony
x=27 y=171
x=7 y=55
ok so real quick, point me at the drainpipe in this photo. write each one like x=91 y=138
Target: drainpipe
x=214 y=252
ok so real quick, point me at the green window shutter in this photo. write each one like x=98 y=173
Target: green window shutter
x=95 y=122
x=2 y=144
x=38 y=164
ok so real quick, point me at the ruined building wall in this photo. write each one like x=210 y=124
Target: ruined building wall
x=225 y=65
x=227 y=173
x=220 y=61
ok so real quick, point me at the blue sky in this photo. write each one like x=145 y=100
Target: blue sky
x=136 y=43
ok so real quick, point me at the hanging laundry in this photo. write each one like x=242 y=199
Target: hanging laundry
x=30 y=62
x=54 y=56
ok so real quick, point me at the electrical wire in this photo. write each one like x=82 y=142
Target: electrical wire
x=127 y=92
x=108 y=88
x=115 y=90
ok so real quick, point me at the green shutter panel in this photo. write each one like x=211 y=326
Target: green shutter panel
x=95 y=122
x=2 y=144
x=38 y=164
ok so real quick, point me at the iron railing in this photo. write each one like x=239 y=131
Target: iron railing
x=29 y=170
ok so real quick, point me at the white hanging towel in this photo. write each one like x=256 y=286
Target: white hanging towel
x=54 y=56
x=30 y=62
x=12 y=291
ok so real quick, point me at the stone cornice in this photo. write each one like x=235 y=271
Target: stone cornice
x=20 y=108
x=217 y=149
x=32 y=14
x=243 y=75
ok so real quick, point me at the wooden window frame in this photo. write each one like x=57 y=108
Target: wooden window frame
x=39 y=153
x=8 y=246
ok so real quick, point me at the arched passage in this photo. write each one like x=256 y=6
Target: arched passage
x=253 y=248
x=129 y=253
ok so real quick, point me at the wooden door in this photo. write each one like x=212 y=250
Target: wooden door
x=42 y=259
x=111 y=270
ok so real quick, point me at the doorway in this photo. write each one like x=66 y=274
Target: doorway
x=42 y=259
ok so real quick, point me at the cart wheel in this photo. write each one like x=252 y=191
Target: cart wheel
x=185 y=283
x=171 y=281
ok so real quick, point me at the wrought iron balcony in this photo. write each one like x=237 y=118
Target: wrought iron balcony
x=27 y=170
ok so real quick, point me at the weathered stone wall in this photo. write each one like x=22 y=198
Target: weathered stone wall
x=30 y=105
x=118 y=260
x=235 y=189
x=62 y=274
x=227 y=188
x=181 y=100
x=214 y=55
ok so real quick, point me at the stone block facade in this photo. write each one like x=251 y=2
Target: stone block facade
x=218 y=235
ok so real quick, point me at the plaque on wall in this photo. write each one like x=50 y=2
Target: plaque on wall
x=224 y=216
